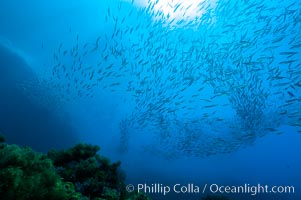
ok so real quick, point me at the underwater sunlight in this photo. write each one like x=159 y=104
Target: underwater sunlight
x=177 y=13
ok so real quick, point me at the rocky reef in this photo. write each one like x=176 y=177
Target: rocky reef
x=78 y=173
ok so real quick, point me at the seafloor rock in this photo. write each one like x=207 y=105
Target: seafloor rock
x=27 y=175
x=78 y=173
x=23 y=121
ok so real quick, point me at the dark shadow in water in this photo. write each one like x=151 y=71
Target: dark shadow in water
x=21 y=120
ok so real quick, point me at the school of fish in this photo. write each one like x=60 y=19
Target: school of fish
x=200 y=87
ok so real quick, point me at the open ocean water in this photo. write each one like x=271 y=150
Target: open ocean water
x=193 y=97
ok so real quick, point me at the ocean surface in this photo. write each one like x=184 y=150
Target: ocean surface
x=198 y=97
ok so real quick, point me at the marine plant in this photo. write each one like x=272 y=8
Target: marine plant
x=78 y=173
x=94 y=176
x=25 y=174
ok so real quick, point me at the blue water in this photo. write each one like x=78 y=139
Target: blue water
x=196 y=93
